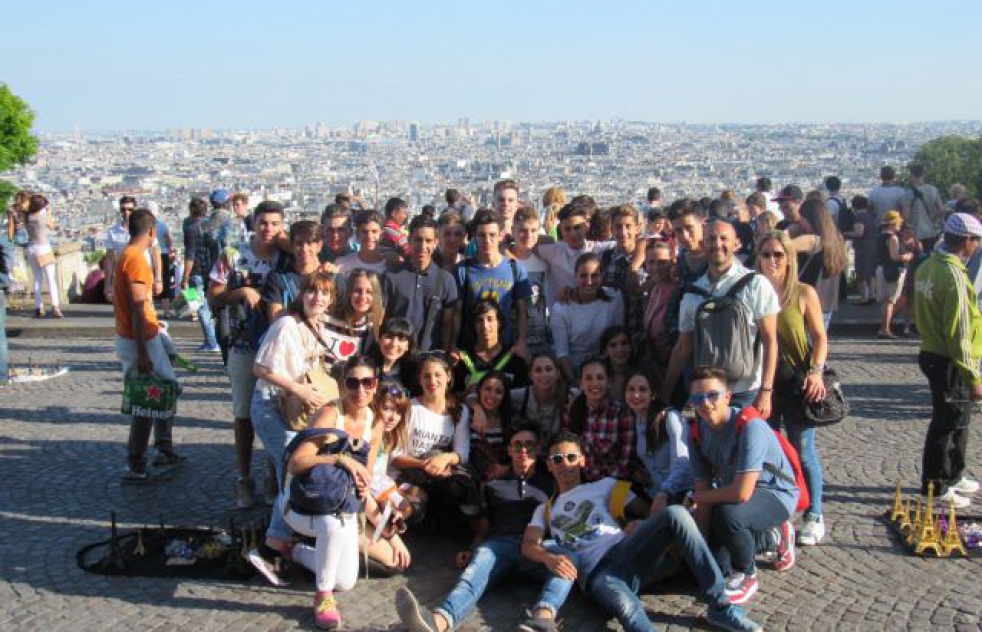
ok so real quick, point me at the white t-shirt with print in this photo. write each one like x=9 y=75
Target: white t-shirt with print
x=289 y=349
x=580 y=521
x=429 y=431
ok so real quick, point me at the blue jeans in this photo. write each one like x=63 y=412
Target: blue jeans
x=739 y=530
x=644 y=555
x=205 y=316
x=4 y=370
x=491 y=561
x=272 y=431
x=787 y=412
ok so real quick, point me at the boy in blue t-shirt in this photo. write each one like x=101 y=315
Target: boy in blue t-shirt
x=744 y=484
x=492 y=275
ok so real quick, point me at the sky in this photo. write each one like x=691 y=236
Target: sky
x=110 y=65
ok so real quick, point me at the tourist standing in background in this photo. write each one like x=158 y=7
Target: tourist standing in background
x=888 y=196
x=39 y=254
x=923 y=208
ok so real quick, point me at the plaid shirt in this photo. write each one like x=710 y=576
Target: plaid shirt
x=617 y=271
x=607 y=440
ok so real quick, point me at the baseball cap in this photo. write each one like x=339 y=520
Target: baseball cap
x=790 y=192
x=219 y=196
x=891 y=217
x=963 y=225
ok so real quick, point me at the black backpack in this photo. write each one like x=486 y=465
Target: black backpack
x=846 y=218
x=722 y=336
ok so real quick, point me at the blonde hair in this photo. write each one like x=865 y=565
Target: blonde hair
x=791 y=283
x=343 y=310
x=554 y=195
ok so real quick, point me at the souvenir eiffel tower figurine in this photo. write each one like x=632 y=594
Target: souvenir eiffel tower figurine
x=904 y=526
x=915 y=526
x=927 y=537
x=897 y=513
x=952 y=542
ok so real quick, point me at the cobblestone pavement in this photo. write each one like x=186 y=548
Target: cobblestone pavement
x=62 y=448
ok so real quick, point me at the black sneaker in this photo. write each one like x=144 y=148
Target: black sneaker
x=415 y=617
x=168 y=458
x=136 y=475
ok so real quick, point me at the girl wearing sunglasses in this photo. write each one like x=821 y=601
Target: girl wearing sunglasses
x=605 y=426
x=802 y=351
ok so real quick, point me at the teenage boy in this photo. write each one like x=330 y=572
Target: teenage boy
x=491 y=275
x=452 y=241
x=394 y=236
x=622 y=264
x=761 y=304
x=236 y=283
x=283 y=286
x=589 y=541
x=139 y=345
x=507 y=505
x=526 y=232
x=744 y=484
x=420 y=291
x=574 y=220
x=506 y=204
x=202 y=246
x=336 y=224
x=368 y=233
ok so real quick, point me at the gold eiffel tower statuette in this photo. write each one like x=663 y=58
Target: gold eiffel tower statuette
x=915 y=526
x=952 y=542
x=898 y=505
x=905 y=525
x=927 y=537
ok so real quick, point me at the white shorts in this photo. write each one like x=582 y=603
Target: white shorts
x=240 y=363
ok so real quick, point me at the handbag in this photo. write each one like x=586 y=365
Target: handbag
x=325 y=489
x=44 y=259
x=830 y=410
x=149 y=396
x=293 y=409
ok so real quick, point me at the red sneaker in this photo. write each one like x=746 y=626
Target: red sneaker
x=785 y=547
x=740 y=588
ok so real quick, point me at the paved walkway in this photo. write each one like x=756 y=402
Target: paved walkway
x=62 y=450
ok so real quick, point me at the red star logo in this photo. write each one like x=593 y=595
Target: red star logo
x=154 y=392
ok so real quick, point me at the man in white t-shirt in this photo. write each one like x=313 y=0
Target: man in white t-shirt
x=581 y=534
x=574 y=220
x=724 y=271
x=368 y=233
x=525 y=229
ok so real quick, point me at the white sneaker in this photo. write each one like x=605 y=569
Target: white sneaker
x=960 y=501
x=812 y=531
x=966 y=486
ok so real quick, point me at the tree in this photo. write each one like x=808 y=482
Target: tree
x=952 y=159
x=17 y=144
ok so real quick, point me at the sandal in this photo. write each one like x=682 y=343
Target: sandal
x=886 y=335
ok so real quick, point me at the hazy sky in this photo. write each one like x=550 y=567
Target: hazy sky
x=107 y=65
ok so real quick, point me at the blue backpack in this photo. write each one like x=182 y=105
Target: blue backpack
x=325 y=489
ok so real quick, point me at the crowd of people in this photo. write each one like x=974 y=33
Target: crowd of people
x=599 y=396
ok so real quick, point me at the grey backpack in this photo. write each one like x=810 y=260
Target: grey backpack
x=724 y=334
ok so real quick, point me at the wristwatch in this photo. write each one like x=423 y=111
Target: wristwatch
x=816 y=369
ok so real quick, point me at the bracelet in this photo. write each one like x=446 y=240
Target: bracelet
x=766 y=389
x=816 y=369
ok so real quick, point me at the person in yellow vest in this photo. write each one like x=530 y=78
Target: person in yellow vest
x=948 y=320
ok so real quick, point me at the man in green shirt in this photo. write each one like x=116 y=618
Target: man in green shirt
x=946 y=308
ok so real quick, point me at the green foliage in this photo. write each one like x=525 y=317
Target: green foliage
x=952 y=159
x=17 y=144
x=95 y=256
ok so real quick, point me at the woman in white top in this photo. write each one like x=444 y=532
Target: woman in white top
x=290 y=348
x=439 y=437
x=578 y=324
x=355 y=319
x=334 y=557
x=39 y=254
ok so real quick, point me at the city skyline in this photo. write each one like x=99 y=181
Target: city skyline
x=110 y=66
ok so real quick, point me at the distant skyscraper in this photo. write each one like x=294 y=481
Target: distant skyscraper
x=414 y=132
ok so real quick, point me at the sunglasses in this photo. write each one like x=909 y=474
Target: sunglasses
x=777 y=255
x=434 y=355
x=569 y=457
x=698 y=399
x=518 y=446
x=367 y=383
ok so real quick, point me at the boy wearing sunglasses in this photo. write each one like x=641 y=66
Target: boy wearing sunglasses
x=507 y=505
x=745 y=489
x=588 y=541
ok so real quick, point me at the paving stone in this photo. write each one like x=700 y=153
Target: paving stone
x=62 y=451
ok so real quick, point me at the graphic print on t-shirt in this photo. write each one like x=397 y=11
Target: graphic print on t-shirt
x=576 y=525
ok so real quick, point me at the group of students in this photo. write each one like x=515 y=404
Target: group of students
x=457 y=363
